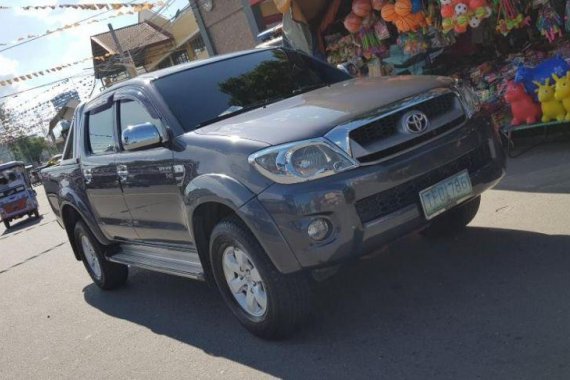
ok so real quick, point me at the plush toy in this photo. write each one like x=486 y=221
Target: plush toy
x=552 y=109
x=523 y=108
x=529 y=75
x=562 y=92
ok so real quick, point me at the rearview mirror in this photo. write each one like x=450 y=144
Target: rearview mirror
x=140 y=136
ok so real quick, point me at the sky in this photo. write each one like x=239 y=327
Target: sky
x=58 y=48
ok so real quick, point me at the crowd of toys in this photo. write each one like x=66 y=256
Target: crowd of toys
x=512 y=51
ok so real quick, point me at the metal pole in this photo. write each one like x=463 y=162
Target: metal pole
x=129 y=64
x=203 y=30
x=250 y=19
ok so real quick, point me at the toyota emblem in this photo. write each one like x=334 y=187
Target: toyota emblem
x=415 y=122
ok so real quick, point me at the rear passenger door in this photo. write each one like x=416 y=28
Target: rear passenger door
x=100 y=171
x=149 y=182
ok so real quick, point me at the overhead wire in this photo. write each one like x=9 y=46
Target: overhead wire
x=45 y=35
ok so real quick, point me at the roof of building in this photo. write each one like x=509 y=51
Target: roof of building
x=131 y=37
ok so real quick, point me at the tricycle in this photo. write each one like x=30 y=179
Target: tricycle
x=17 y=198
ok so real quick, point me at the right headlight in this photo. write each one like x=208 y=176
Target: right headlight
x=301 y=161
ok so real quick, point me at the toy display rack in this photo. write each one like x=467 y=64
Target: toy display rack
x=508 y=130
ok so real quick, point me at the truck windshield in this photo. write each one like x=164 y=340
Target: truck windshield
x=215 y=91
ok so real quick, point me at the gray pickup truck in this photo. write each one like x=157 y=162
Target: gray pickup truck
x=264 y=170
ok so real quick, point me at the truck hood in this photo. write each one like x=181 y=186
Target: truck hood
x=314 y=113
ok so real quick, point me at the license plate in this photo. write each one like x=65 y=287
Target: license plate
x=446 y=194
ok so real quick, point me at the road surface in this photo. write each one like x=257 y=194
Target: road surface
x=492 y=302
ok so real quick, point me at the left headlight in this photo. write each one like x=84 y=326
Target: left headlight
x=301 y=161
x=469 y=98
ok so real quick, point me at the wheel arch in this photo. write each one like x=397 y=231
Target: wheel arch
x=211 y=198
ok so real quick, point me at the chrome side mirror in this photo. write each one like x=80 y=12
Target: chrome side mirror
x=140 y=136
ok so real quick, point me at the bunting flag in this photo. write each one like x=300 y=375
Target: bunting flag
x=22 y=78
x=71 y=26
x=137 y=7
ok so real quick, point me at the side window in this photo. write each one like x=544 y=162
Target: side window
x=100 y=127
x=132 y=113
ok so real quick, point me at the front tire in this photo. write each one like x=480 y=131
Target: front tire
x=454 y=220
x=105 y=274
x=268 y=303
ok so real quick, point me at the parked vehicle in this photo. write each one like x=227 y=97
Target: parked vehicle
x=272 y=37
x=17 y=198
x=259 y=169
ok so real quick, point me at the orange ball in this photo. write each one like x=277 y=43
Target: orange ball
x=389 y=12
x=403 y=7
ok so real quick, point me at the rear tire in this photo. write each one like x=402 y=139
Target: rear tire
x=279 y=303
x=454 y=220
x=7 y=224
x=105 y=274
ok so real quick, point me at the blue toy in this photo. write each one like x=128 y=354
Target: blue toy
x=417 y=6
x=528 y=75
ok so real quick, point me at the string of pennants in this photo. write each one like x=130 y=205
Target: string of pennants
x=137 y=7
x=142 y=7
x=42 y=112
x=37 y=74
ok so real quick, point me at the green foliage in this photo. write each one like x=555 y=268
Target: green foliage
x=29 y=148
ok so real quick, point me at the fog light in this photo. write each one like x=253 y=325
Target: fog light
x=318 y=229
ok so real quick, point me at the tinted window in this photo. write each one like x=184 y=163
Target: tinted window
x=133 y=113
x=217 y=90
x=69 y=146
x=100 y=126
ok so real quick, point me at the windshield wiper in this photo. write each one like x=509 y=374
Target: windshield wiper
x=250 y=107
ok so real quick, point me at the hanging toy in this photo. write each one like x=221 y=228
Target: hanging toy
x=400 y=14
x=510 y=16
x=523 y=108
x=361 y=8
x=378 y=4
x=562 y=92
x=353 y=23
x=552 y=109
x=459 y=15
x=549 y=23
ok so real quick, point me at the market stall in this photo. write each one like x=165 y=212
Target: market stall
x=515 y=53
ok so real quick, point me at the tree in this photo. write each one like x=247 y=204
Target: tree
x=29 y=148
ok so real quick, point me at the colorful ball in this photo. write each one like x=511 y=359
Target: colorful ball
x=403 y=7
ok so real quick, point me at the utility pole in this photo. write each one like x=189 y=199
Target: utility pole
x=129 y=64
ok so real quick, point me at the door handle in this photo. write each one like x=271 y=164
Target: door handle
x=88 y=175
x=123 y=173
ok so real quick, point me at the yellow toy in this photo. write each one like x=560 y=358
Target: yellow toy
x=552 y=109
x=562 y=92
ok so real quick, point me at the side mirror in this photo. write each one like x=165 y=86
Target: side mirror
x=140 y=136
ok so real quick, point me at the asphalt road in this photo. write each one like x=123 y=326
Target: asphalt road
x=491 y=303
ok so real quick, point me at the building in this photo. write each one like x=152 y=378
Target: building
x=232 y=25
x=61 y=100
x=153 y=43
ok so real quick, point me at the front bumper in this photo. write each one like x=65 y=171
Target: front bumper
x=340 y=198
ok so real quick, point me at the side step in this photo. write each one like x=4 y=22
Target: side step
x=158 y=259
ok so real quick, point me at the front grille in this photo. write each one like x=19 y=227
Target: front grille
x=405 y=194
x=388 y=126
